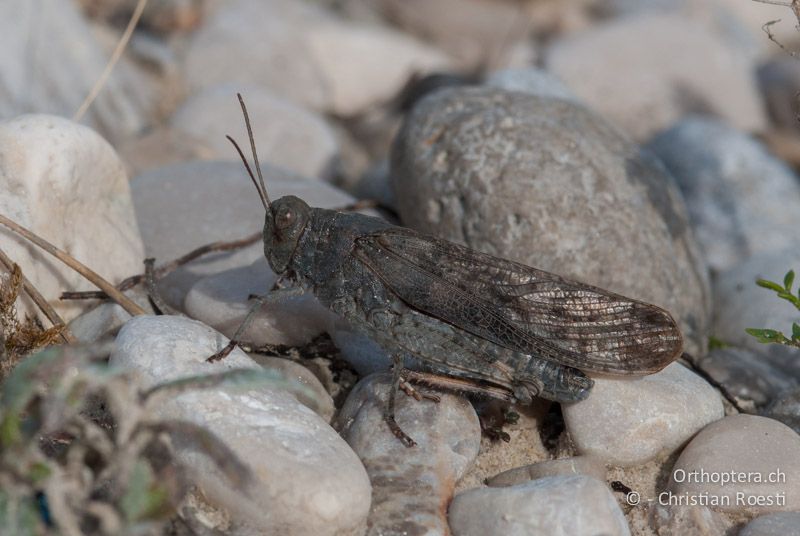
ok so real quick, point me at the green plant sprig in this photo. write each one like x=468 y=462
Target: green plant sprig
x=773 y=336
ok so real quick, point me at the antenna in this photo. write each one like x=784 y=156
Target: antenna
x=260 y=186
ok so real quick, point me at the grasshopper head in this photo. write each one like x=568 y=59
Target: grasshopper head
x=283 y=226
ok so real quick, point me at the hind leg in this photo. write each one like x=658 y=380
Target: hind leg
x=552 y=381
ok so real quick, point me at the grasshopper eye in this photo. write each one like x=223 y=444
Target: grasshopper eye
x=284 y=219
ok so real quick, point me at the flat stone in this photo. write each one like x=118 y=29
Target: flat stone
x=107 y=318
x=311 y=483
x=65 y=183
x=552 y=506
x=727 y=179
x=546 y=183
x=287 y=135
x=758 y=457
x=644 y=89
x=578 y=465
x=185 y=206
x=411 y=486
x=222 y=301
x=780 y=524
x=628 y=421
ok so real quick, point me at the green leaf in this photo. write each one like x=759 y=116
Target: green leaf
x=144 y=498
x=788 y=279
x=10 y=431
x=769 y=284
x=795 y=332
x=715 y=343
x=767 y=336
x=39 y=472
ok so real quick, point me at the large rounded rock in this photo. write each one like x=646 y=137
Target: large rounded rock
x=546 y=183
x=727 y=179
x=644 y=89
x=631 y=421
x=740 y=464
x=287 y=135
x=552 y=506
x=65 y=183
x=308 y=483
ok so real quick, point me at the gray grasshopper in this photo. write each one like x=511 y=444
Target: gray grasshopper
x=457 y=318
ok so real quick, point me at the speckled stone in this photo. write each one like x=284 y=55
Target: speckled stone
x=410 y=486
x=578 y=465
x=545 y=182
x=780 y=524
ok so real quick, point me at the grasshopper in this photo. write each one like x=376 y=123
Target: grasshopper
x=453 y=317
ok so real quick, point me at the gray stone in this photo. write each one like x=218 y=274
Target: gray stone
x=107 y=318
x=185 y=206
x=779 y=79
x=786 y=409
x=682 y=520
x=309 y=483
x=410 y=485
x=578 y=465
x=728 y=179
x=65 y=183
x=629 y=422
x=644 y=89
x=321 y=401
x=552 y=506
x=304 y=54
x=222 y=301
x=746 y=374
x=780 y=524
x=50 y=60
x=740 y=464
x=739 y=303
x=546 y=183
x=287 y=135
x=531 y=80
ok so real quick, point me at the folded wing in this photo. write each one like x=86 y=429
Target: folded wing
x=522 y=308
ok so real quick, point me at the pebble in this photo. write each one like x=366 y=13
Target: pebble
x=577 y=465
x=320 y=400
x=222 y=301
x=547 y=183
x=644 y=89
x=531 y=80
x=65 y=183
x=310 y=483
x=552 y=506
x=780 y=524
x=739 y=303
x=683 y=520
x=287 y=135
x=50 y=59
x=786 y=409
x=746 y=374
x=105 y=319
x=778 y=80
x=744 y=449
x=727 y=179
x=313 y=67
x=475 y=33
x=411 y=486
x=629 y=422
